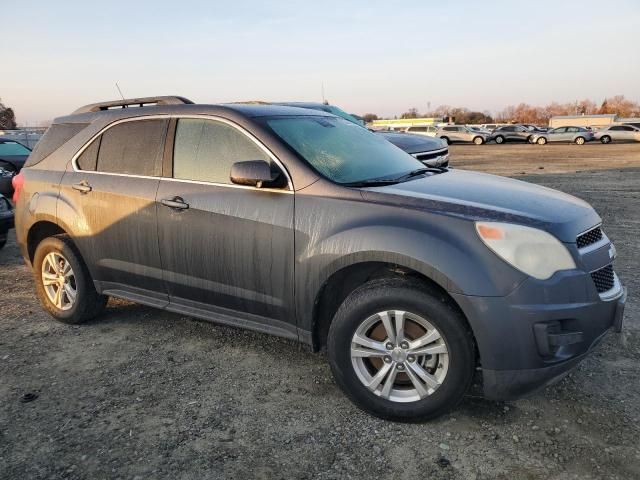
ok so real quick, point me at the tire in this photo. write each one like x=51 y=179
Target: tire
x=529 y=138
x=419 y=304
x=478 y=140
x=3 y=240
x=87 y=304
x=579 y=141
x=499 y=139
x=541 y=141
x=446 y=140
x=605 y=139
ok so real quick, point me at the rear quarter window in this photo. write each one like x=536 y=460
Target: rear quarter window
x=56 y=135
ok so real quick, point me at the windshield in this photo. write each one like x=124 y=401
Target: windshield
x=342 y=151
x=11 y=149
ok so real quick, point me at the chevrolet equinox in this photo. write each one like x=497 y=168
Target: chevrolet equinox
x=298 y=223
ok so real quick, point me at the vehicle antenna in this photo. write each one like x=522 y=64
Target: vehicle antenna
x=119 y=91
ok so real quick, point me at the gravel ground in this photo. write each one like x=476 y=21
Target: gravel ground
x=142 y=394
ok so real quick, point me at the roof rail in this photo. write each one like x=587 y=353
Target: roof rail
x=133 y=102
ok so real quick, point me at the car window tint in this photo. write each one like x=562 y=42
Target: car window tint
x=88 y=160
x=56 y=135
x=560 y=130
x=572 y=129
x=205 y=150
x=133 y=148
x=616 y=128
x=11 y=149
x=449 y=129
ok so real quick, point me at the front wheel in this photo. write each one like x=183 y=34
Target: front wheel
x=605 y=139
x=499 y=139
x=478 y=140
x=579 y=141
x=400 y=351
x=63 y=284
x=541 y=141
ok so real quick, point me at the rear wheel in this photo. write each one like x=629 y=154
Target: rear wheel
x=605 y=139
x=579 y=141
x=478 y=140
x=63 y=283
x=541 y=141
x=401 y=352
x=499 y=139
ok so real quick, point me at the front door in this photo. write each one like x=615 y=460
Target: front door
x=108 y=195
x=224 y=247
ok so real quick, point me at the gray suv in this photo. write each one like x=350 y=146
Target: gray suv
x=301 y=224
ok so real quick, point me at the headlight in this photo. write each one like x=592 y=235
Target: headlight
x=532 y=251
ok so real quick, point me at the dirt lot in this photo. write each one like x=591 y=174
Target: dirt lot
x=519 y=159
x=147 y=394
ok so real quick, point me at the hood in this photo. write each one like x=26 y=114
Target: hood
x=480 y=196
x=411 y=143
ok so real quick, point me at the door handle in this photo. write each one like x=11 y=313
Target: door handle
x=176 y=203
x=82 y=187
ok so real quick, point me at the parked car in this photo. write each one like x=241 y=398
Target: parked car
x=618 y=133
x=12 y=157
x=433 y=152
x=301 y=224
x=511 y=133
x=428 y=130
x=479 y=130
x=6 y=220
x=461 y=134
x=577 y=135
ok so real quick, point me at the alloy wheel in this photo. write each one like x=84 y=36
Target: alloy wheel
x=399 y=356
x=59 y=281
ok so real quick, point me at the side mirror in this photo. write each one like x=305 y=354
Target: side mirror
x=255 y=173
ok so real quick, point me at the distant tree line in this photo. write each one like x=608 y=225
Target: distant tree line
x=525 y=113
x=7 y=118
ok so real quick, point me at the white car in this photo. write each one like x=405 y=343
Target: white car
x=429 y=130
x=620 y=133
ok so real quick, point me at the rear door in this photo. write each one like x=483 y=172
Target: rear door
x=229 y=247
x=108 y=197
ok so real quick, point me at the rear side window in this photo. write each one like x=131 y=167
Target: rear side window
x=56 y=135
x=205 y=150
x=133 y=148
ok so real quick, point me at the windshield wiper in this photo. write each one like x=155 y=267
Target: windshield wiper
x=420 y=171
x=377 y=182
x=371 y=183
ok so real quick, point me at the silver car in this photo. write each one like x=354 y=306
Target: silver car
x=460 y=134
x=577 y=135
x=621 y=133
x=426 y=130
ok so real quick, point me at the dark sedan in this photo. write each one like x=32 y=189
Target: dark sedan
x=431 y=151
x=12 y=157
x=6 y=220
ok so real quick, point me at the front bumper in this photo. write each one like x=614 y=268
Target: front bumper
x=534 y=336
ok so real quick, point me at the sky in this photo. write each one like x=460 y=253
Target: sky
x=380 y=57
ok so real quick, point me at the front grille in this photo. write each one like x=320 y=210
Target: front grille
x=603 y=279
x=588 y=238
x=430 y=156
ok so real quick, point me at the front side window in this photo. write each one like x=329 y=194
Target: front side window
x=340 y=150
x=133 y=148
x=205 y=150
x=560 y=130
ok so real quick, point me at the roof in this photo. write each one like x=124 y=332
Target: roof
x=572 y=117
